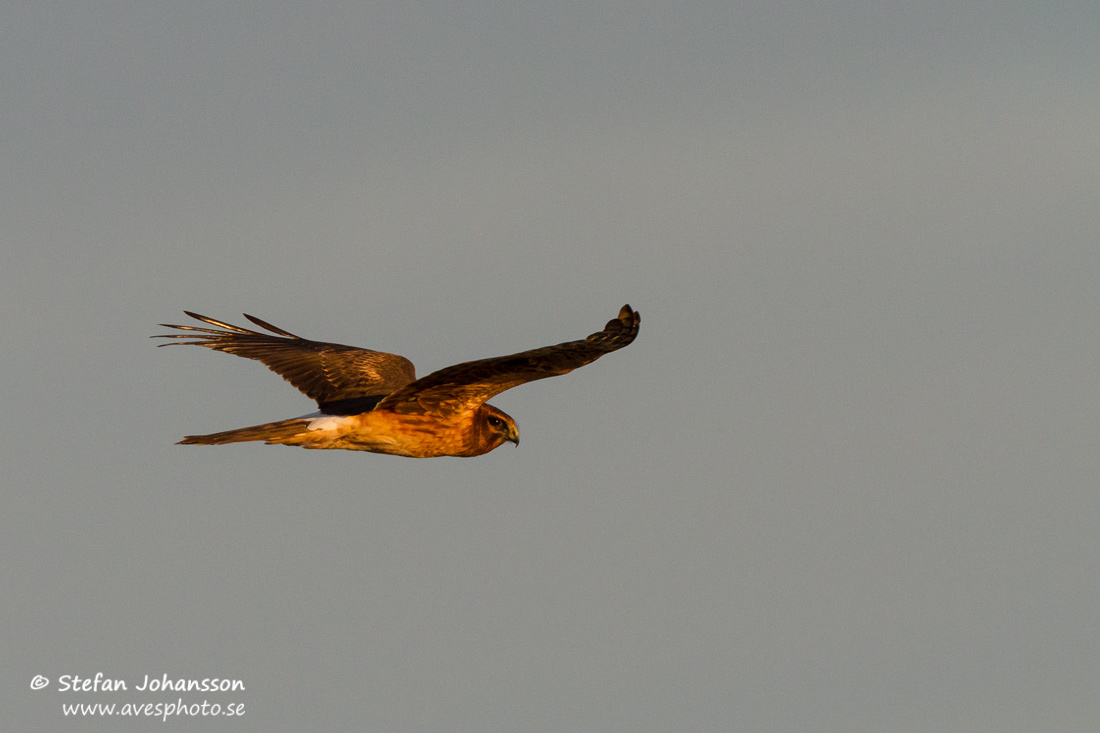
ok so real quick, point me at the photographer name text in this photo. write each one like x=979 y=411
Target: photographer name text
x=102 y=683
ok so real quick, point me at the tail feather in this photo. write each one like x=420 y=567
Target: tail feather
x=284 y=431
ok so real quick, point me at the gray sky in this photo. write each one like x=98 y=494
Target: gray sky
x=845 y=479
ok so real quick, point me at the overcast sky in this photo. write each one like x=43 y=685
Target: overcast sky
x=846 y=479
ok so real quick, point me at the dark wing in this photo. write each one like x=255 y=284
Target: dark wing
x=466 y=386
x=342 y=379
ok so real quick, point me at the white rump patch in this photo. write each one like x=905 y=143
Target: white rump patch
x=317 y=421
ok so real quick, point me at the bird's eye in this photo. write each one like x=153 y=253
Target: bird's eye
x=496 y=422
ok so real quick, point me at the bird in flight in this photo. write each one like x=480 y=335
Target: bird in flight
x=372 y=401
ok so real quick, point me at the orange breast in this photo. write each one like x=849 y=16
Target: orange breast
x=416 y=436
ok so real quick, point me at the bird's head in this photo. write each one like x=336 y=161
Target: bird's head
x=496 y=426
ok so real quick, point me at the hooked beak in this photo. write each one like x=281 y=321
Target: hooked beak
x=513 y=437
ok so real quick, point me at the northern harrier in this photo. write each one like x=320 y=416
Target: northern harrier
x=372 y=401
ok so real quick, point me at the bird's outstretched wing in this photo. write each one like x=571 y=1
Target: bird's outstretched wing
x=464 y=387
x=342 y=379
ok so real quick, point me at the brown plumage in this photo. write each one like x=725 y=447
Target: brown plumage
x=372 y=401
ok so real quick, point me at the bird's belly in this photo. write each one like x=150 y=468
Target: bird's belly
x=415 y=436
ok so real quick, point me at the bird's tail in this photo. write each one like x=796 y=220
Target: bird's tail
x=287 y=432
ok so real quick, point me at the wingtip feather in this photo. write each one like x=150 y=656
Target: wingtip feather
x=269 y=327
